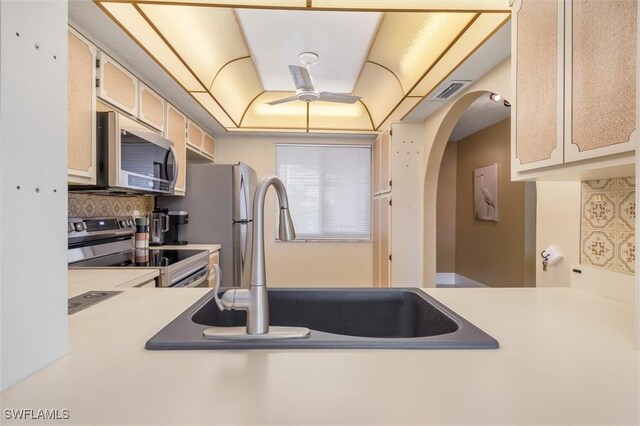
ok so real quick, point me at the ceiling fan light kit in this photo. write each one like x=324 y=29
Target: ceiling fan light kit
x=305 y=90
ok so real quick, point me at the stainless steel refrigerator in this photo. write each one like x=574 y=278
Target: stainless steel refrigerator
x=219 y=199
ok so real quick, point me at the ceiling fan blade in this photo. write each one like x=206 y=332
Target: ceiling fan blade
x=301 y=77
x=281 y=101
x=338 y=97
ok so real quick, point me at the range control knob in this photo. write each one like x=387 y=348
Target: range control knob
x=70 y=227
x=123 y=224
x=80 y=226
x=131 y=224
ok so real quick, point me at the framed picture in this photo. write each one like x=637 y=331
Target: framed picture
x=485 y=192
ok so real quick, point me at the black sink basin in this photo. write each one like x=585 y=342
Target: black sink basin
x=337 y=318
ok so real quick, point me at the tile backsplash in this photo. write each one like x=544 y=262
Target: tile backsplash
x=92 y=205
x=608 y=224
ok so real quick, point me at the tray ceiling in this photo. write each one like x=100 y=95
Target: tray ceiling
x=235 y=61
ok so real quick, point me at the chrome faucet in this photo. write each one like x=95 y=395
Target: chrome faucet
x=255 y=299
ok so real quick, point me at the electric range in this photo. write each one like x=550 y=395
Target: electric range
x=107 y=242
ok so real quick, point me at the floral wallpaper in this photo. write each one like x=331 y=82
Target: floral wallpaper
x=92 y=205
x=608 y=224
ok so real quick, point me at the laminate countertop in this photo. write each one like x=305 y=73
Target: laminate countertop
x=565 y=357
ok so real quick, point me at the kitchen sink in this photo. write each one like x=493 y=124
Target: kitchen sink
x=338 y=319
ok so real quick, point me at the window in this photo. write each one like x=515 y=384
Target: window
x=329 y=189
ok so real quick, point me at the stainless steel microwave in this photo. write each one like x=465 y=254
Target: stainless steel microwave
x=131 y=158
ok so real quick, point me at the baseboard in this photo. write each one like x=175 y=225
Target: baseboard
x=452 y=279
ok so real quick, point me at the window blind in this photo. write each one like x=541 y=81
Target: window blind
x=329 y=189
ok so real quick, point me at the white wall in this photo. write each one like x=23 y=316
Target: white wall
x=33 y=186
x=293 y=264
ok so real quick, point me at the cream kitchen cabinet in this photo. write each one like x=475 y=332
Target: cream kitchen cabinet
x=208 y=145
x=382 y=241
x=200 y=145
x=397 y=260
x=151 y=107
x=574 y=82
x=381 y=166
x=116 y=85
x=176 y=132
x=195 y=136
x=81 y=110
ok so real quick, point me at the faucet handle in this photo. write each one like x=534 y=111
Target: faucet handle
x=216 y=288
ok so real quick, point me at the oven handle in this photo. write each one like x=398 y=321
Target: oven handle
x=204 y=276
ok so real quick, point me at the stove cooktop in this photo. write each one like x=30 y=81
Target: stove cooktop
x=150 y=258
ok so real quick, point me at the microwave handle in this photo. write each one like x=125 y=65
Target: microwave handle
x=176 y=167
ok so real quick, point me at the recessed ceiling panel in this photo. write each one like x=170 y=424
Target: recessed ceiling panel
x=277 y=37
x=235 y=61
x=409 y=43
x=325 y=115
x=281 y=116
x=205 y=38
x=380 y=91
x=130 y=18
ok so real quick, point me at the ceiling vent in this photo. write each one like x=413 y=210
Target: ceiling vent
x=449 y=89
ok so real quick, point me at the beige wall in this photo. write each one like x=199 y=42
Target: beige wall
x=492 y=253
x=292 y=264
x=558 y=222
x=446 y=212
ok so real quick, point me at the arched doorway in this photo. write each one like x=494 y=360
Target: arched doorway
x=478 y=241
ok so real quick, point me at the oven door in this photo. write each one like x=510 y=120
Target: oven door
x=198 y=279
x=147 y=160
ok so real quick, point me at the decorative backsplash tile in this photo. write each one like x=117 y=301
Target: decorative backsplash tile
x=608 y=224
x=92 y=205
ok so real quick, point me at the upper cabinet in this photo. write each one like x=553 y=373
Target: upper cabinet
x=600 y=80
x=81 y=110
x=152 y=108
x=195 y=136
x=200 y=145
x=117 y=86
x=93 y=75
x=574 y=82
x=208 y=145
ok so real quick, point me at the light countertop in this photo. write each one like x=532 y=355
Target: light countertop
x=566 y=357
x=211 y=247
x=83 y=280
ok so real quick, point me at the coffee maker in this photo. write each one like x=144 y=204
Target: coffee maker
x=176 y=219
x=159 y=227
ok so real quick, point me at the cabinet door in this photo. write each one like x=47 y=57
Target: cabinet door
x=600 y=85
x=194 y=135
x=152 y=108
x=176 y=133
x=385 y=161
x=81 y=110
x=117 y=85
x=208 y=145
x=375 y=166
x=385 y=241
x=376 y=242
x=537 y=106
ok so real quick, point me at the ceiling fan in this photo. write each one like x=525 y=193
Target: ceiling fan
x=305 y=91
